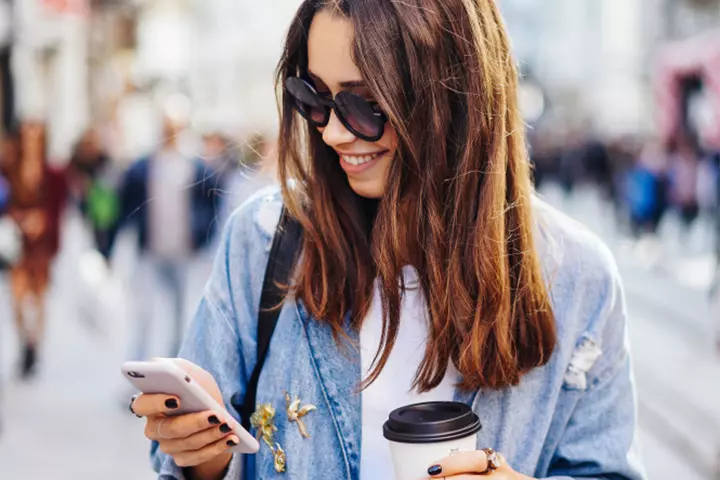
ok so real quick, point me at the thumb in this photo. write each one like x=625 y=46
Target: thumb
x=199 y=375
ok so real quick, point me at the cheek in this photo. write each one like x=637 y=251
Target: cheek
x=389 y=141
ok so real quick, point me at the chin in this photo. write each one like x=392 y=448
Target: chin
x=368 y=189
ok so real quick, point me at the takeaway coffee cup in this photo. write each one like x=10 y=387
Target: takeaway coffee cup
x=423 y=433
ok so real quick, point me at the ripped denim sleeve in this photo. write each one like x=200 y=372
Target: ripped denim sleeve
x=581 y=362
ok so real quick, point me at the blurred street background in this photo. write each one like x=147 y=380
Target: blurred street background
x=622 y=102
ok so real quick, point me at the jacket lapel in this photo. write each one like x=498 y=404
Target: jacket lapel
x=339 y=371
x=338 y=368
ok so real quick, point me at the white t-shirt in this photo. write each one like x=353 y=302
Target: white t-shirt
x=392 y=389
x=170 y=186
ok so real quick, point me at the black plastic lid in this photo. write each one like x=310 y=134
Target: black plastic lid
x=431 y=422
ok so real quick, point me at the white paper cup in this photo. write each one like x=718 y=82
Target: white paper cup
x=427 y=432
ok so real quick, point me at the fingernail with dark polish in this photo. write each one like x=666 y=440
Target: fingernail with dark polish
x=214 y=420
x=435 y=470
x=171 y=403
x=225 y=428
x=230 y=443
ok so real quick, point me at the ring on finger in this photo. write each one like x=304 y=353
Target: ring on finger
x=159 y=429
x=130 y=405
x=494 y=461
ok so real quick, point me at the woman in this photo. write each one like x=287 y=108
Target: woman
x=37 y=199
x=419 y=222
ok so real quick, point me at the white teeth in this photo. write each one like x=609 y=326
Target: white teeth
x=359 y=160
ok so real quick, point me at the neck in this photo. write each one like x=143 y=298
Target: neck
x=368 y=209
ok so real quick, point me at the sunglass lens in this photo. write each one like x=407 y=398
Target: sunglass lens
x=306 y=100
x=360 y=115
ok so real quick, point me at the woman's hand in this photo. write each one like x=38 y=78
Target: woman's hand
x=199 y=441
x=472 y=466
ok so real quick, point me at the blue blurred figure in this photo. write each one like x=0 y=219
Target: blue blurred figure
x=169 y=197
x=646 y=188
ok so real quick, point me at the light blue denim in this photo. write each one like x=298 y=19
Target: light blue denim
x=572 y=418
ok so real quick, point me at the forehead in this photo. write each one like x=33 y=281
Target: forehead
x=330 y=42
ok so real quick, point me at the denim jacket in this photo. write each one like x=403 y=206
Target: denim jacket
x=575 y=417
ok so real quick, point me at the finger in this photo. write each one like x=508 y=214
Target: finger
x=496 y=475
x=197 y=441
x=146 y=404
x=460 y=463
x=199 y=375
x=182 y=426
x=202 y=376
x=186 y=365
x=191 y=459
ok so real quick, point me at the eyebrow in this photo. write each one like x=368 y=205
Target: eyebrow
x=348 y=84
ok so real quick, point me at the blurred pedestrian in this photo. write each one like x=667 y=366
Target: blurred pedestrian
x=424 y=271
x=543 y=155
x=713 y=165
x=622 y=155
x=571 y=159
x=683 y=173
x=253 y=171
x=169 y=198
x=37 y=199
x=598 y=167
x=10 y=235
x=93 y=187
x=8 y=153
x=219 y=153
x=224 y=160
x=646 y=190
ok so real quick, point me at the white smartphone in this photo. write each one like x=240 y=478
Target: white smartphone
x=164 y=377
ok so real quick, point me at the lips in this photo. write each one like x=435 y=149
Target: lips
x=359 y=162
x=359 y=159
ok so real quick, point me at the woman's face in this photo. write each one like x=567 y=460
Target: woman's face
x=332 y=69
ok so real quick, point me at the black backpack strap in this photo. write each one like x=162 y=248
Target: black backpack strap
x=285 y=247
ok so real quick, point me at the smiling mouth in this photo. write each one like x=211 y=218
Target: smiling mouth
x=360 y=159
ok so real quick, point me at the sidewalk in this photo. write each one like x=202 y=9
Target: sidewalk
x=672 y=333
x=72 y=422
x=69 y=423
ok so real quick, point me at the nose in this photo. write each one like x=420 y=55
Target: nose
x=335 y=133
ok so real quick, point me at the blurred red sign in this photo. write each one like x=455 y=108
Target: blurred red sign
x=697 y=57
x=73 y=7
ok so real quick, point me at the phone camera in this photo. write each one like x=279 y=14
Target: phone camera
x=136 y=375
x=187 y=379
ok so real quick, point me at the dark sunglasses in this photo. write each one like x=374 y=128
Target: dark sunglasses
x=357 y=114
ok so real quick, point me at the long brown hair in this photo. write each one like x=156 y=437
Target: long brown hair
x=457 y=203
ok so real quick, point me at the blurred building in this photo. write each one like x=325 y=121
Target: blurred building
x=587 y=55
x=595 y=59
x=108 y=62
x=7 y=90
x=687 y=73
x=686 y=18
x=215 y=58
x=240 y=45
x=50 y=66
